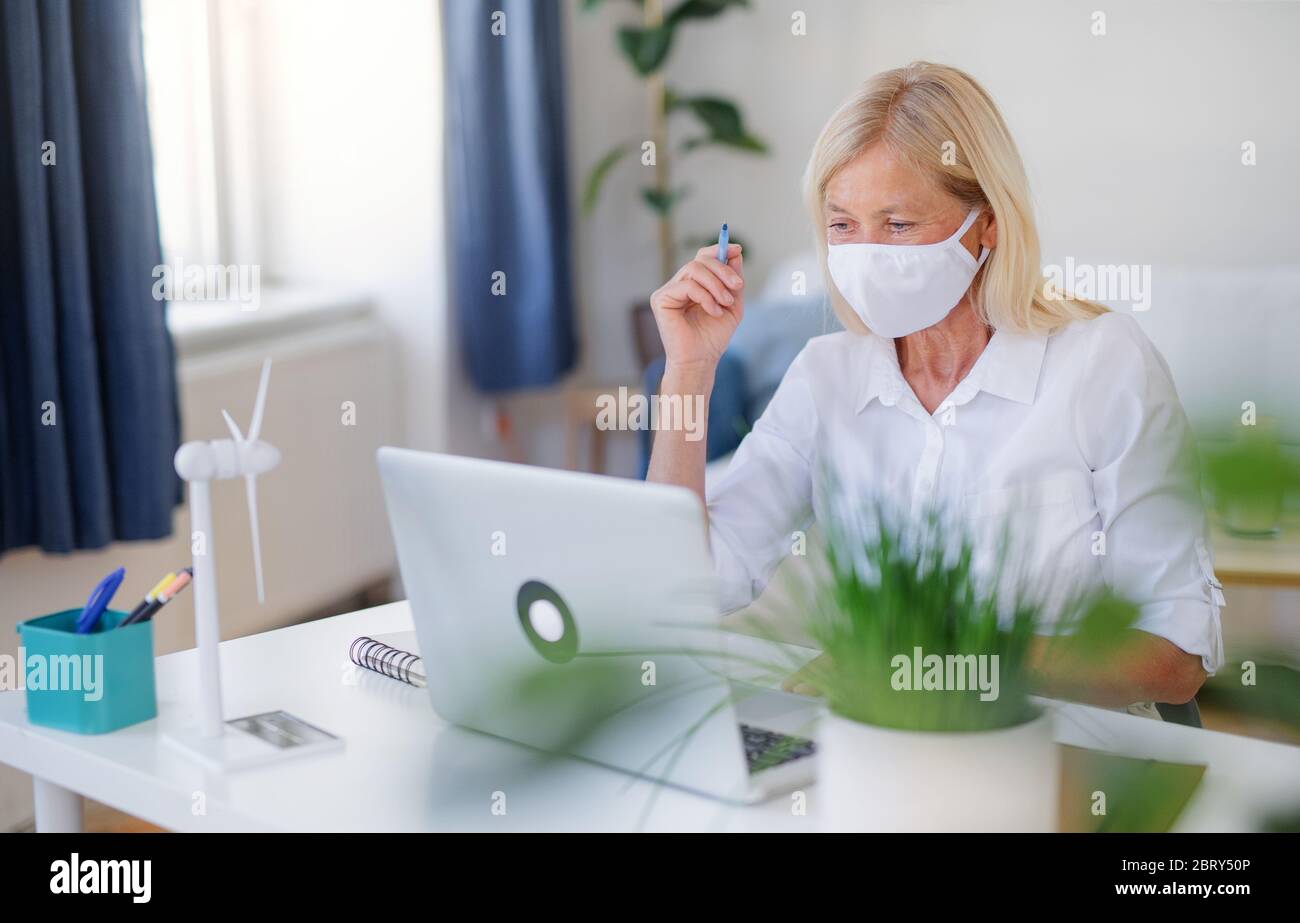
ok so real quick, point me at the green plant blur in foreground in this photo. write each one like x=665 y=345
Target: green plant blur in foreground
x=892 y=587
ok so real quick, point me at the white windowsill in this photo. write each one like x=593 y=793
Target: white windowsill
x=200 y=328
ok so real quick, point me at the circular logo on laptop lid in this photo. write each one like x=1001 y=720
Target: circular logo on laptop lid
x=547 y=622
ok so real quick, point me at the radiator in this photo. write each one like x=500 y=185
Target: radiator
x=324 y=531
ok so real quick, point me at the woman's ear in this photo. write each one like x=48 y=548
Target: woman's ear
x=989 y=236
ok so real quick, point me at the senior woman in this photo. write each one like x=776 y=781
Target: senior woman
x=957 y=383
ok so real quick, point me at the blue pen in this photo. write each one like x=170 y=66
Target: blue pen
x=98 y=601
x=724 y=240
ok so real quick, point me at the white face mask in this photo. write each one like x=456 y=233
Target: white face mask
x=899 y=289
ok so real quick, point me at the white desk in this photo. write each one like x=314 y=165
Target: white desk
x=404 y=769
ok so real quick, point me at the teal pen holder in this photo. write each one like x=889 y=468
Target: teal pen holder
x=119 y=691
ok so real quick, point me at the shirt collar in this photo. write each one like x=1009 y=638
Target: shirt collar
x=1009 y=367
x=1012 y=364
x=881 y=376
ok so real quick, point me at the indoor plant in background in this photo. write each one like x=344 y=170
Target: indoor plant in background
x=717 y=121
x=1249 y=475
x=926 y=673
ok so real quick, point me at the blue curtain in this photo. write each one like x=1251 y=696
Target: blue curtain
x=507 y=191
x=88 y=413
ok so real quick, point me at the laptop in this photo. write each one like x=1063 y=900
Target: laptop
x=577 y=614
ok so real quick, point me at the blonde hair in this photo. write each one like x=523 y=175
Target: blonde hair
x=923 y=112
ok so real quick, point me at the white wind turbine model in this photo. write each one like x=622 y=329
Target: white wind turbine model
x=259 y=738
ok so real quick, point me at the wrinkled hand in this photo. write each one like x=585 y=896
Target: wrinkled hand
x=699 y=308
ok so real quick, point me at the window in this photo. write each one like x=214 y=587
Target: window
x=200 y=70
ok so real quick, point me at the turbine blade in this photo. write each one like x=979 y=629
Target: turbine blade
x=250 y=486
x=255 y=427
x=233 y=427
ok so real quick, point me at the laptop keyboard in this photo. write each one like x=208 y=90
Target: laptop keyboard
x=765 y=749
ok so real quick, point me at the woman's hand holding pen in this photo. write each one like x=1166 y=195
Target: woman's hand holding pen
x=699 y=308
x=697 y=311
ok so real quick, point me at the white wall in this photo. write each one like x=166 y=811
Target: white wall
x=1132 y=140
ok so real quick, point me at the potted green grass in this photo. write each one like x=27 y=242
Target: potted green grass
x=927 y=639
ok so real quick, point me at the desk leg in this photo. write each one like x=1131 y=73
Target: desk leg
x=58 y=809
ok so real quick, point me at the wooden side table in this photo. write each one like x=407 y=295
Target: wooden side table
x=580 y=408
x=1271 y=561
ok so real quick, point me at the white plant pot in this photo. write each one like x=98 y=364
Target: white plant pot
x=880 y=779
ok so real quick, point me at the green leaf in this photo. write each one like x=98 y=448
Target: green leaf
x=1250 y=465
x=721 y=118
x=702 y=9
x=645 y=49
x=1103 y=623
x=719 y=115
x=1274 y=696
x=1142 y=796
x=589 y=5
x=662 y=202
x=596 y=178
x=743 y=143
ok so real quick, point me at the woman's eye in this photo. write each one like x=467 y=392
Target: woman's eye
x=898 y=227
x=839 y=227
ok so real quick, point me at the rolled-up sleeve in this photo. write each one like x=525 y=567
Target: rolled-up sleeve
x=1136 y=439
x=764 y=499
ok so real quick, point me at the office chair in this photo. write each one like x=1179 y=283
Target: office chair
x=1188 y=713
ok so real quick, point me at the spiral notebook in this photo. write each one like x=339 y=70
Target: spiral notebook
x=390 y=655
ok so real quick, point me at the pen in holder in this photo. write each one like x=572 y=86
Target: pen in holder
x=88 y=683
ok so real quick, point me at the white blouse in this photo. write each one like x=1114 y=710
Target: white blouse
x=1078 y=439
